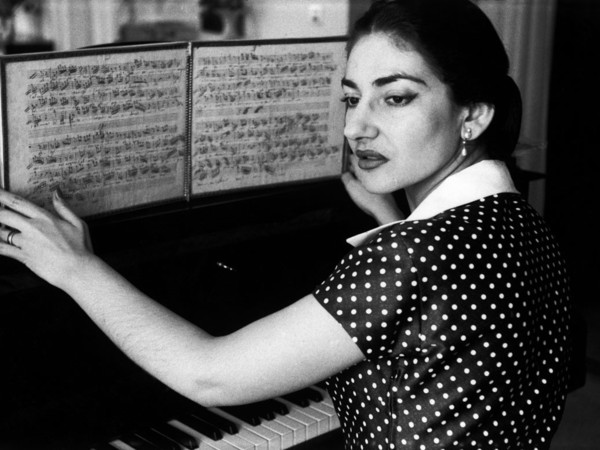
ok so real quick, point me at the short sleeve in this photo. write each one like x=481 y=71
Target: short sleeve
x=373 y=294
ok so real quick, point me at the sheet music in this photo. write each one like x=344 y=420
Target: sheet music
x=266 y=114
x=109 y=129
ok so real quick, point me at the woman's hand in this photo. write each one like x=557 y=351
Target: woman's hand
x=51 y=245
x=382 y=207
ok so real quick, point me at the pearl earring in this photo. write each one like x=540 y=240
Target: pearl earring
x=465 y=138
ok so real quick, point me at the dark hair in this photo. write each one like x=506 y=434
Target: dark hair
x=462 y=46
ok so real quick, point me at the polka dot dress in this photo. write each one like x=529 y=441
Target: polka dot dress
x=463 y=319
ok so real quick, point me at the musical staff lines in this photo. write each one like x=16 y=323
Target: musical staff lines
x=99 y=124
x=264 y=115
x=123 y=127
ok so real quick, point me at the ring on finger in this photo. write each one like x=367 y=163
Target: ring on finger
x=10 y=237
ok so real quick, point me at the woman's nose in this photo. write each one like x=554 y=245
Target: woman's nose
x=359 y=123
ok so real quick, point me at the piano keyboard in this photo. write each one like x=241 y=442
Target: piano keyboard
x=276 y=424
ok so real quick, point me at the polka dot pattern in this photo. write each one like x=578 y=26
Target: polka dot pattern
x=463 y=321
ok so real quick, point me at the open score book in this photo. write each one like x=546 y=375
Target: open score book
x=118 y=128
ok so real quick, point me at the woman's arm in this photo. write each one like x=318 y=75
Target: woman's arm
x=292 y=348
x=289 y=349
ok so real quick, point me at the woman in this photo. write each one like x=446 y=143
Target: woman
x=444 y=330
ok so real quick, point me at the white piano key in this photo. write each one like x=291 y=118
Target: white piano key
x=206 y=443
x=103 y=447
x=329 y=411
x=326 y=397
x=320 y=420
x=327 y=407
x=120 y=445
x=239 y=442
x=283 y=432
x=298 y=428
x=323 y=420
x=286 y=434
x=252 y=433
x=296 y=414
x=334 y=422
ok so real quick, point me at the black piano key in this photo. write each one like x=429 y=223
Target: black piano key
x=247 y=413
x=313 y=394
x=275 y=407
x=300 y=398
x=157 y=439
x=175 y=434
x=253 y=413
x=201 y=426
x=227 y=426
x=137 y=442
x=296 y=399
x=322 y=385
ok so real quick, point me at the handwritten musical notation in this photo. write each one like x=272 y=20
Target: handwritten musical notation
x=264 y=115
x=128 y=127
x=100 y=127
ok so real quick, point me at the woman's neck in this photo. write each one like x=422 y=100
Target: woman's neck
x=416 y=193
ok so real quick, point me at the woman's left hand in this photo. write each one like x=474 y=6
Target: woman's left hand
x=51 y=245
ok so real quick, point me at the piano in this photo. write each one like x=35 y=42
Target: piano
x=304 y=419
x=64 y=385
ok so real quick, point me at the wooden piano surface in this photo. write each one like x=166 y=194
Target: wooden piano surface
x=220 y=262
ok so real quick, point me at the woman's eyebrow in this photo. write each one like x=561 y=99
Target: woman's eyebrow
x=379 y=82
x=348 y=83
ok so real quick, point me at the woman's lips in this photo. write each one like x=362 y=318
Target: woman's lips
x=369 y=159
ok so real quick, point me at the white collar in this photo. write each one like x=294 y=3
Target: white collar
x=482 y=179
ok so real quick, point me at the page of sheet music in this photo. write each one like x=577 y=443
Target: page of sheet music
x=266 y=114
x=108 y=129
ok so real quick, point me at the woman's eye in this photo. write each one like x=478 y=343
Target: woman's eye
x=399 y=100
x=350 y=101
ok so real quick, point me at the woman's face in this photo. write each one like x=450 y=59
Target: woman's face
x=401 y=123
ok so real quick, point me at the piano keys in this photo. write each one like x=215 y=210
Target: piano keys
x=277 y=424
x=219 y=262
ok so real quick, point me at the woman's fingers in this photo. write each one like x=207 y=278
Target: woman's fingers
x=51 y=245
x=67 y=214
x=354 y=188
x=9 y=236
x=39 y=226
x=11 y=220
x=20 y=205
x=351 y=166
x=16 y=214
x=11 y=251
x=19 y=212
x=64 y=211
x=347 y=177
x=382 y=207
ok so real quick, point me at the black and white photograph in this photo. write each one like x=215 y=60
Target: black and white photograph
x=299 y=224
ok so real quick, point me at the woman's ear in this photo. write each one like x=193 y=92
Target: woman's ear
x=479 y=117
